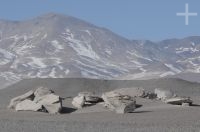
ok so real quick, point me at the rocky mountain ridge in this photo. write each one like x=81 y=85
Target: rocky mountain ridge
x=58 y=46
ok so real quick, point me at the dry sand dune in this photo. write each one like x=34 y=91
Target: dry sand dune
x=153 y=116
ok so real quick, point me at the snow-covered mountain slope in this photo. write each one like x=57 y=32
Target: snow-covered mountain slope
x=58 y=46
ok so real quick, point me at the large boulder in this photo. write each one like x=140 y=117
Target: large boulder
x=41 y=91
x=54 y=108
x=42 y=99
x=179 y=101
x=118 y=102
x=90 y=97
x=163 y=94
x=78 y=102
x=85 y=99
x=29 y=95
x=51 y=102
x=28 y=105
x=48 y=99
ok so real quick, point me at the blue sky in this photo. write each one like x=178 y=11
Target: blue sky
x=133 y=19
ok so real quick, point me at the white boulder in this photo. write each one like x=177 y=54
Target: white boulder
x=119 y=103
x=28 y=105
x=179 y=101
x=90 y=97
x=41 y=91
x=51 y=102
x=54 y=108
x=163 y=94
x=85 y=99
x=127 y=107
x=16 y=100
x=48 y=99
x=43 y=99
x=78 y=102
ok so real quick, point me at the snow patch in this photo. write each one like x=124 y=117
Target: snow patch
x=172 y=68
x=4 y=61
x=105 y=64
x=143 y=70
x=81 y=48
x=10 y=76
x=193 y=44
x=193 y=64
x=5 y=57
x=37 y=62
x=138 y=64
x=96 y=70
x=109 y=52
x=88 y=32
x=141 y=76
x=23 y=49
x=67 y=71
x=138 y=56
x=56 y=44
x=44 y=36
x=53 y=73
x=68 y=33
x=6 y=54
x=182 y=49
x=169 y=73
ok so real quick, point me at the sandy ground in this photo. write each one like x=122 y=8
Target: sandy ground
x=153 y=116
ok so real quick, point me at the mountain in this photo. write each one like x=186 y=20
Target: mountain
x=58 y=46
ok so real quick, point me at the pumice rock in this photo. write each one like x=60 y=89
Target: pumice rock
x=169 y=97
x=29 y=95
x=119 y=103
x=84 y=99
x=51 y=102
x=163 y=94
x=41 y=91
x=90 y=97
x=42 y=99
x=28 y=105
x=184 y=101
x=78 y=102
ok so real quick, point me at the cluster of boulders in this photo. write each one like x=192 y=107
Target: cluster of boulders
x=119 y=100
x=136 y=92
x=124 y=100
x=42 y=99
x=85 y=99
x=170 y=97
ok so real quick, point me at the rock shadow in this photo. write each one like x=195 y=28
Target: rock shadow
x=141 y=111
x=138 y=106
x=195 y=105
x=67 y=110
